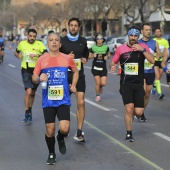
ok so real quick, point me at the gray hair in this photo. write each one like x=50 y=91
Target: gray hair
x=52 y=34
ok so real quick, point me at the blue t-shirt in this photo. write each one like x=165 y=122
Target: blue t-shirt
x=57 y=91
x=149 y=68
x=2 y=42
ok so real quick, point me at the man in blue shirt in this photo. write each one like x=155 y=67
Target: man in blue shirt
x=149 y=73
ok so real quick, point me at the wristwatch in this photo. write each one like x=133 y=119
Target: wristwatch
x=143 y=50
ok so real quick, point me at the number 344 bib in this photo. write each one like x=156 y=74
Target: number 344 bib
x=131 y=68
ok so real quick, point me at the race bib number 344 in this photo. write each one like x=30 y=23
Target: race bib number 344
x=55 y=92
x=131 y=68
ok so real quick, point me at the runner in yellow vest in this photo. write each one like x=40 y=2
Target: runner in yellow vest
x=29 y=50
x=163 y=46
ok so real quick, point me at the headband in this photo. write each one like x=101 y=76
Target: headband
x=134 y=31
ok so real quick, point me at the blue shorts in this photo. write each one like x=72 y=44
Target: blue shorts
x=149 y=77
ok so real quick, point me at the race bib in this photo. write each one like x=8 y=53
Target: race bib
x=55 y=92
x=161 y=48
x=148 y=65
x=97 y=68
x=27 y=58
x=131 y=68
x=78 y=63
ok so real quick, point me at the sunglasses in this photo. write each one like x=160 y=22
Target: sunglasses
x=99 y=38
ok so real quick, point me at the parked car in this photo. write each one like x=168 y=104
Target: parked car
x=114 y=43
x=90 y=42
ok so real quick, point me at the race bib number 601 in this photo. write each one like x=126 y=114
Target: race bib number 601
x=55 y=92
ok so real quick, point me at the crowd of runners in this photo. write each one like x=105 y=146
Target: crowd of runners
x=58 y=66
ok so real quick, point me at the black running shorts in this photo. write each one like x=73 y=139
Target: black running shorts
x=62 y=112
x=133 y=93
x=99 y=73
x=158 y=64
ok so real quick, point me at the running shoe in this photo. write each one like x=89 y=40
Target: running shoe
x=153 y=91
x=61 y=146
x=161 y=96
x=26 y=119
x=51 y=159
x=129 y=138
x=97 y=98
x=79 y=136
x=143 y=118
x=30 y=117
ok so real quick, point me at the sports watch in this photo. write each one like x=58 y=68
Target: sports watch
x=143 y=50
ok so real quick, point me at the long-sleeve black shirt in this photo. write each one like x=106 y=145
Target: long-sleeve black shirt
x=79 y=49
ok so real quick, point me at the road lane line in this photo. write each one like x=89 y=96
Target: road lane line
x=99 y=106
x=165 y=85
x=162 y=136
x=11 y=65
x=121 y=145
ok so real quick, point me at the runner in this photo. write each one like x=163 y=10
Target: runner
x=44 y=41
x=100 y=54
x=29 y=50
x=131 y=57
x=2 y=47
x=163 y=46
x=165 y=67
x=53 y=69
x=149 y=73
x=76 y=46
x=64 y=32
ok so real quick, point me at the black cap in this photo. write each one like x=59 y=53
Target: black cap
x=64 y=29
x=51 y=31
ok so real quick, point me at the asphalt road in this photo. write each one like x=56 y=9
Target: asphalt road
x=23 y=147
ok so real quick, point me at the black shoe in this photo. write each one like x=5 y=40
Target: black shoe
x=161 y=96
x=143 y=118
x=79 y=136
x=61 y=146
x=51 y=159
x=129 y=138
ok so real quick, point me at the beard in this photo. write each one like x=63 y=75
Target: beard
x=73 y=33
x=31 y=41
x=131 y=42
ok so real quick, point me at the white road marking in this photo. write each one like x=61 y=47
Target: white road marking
x=99 y=106
x=165 y=85
x=162 y=136
x=11 y=65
